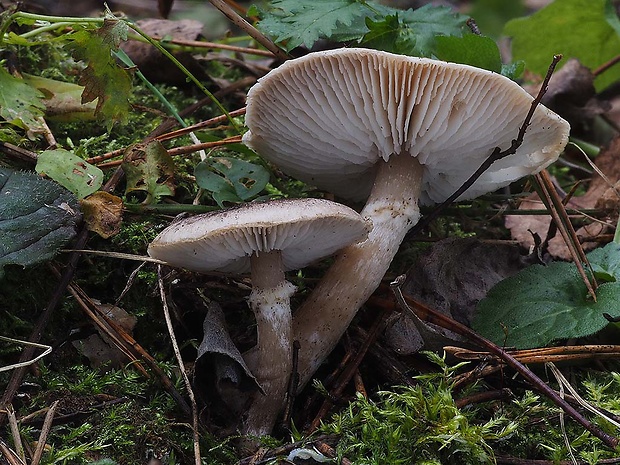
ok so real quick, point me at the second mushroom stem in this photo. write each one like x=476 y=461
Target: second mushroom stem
x=270 y=302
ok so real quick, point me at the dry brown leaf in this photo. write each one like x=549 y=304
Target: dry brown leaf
x=103 y=213
x=600 y=194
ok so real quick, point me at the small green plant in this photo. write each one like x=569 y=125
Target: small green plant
x=419 y=424
x=542 y=304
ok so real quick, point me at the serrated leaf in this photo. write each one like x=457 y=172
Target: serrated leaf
x=231 y=179
x=70 y=171
x=37 y=218
x=302 y=22
x=149 y=169
x=429 y=22
x=575 y=28
x=103 y=79
x=20 y=104
x=542 y=304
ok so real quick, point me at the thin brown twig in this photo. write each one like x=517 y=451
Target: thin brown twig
x=186 y=149
x=200 y=125
x=131 y=346
x=10 y=455
x=181 y=365
x=240 y=22
x=425 y=313
x=203 y=44
x=564 y=225
x=605 y=66
x=45 y=430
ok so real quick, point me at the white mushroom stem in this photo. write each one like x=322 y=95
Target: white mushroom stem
x=358 y=270
x=270 y=302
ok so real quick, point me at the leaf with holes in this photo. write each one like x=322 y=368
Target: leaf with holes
x=37 y=218
x=149 y=169
x=542 y=304
x=70 y=171
x=231 y=179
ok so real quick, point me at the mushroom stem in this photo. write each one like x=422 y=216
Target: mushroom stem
x=270 y=302
x=358 y=270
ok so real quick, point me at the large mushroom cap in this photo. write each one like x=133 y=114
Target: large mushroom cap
x=328 y=117
x=303 y=229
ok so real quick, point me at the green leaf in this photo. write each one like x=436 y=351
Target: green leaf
x=103 y=79
x=575 y=28
x=470 y=49
x=430 y=22
x=62 y=100
x=20 y=104
x=231 y=179
x=70 y=171
x=302 y=22
x=37 y=218
x=542 y=304
x=149 y=169
x=292 y=23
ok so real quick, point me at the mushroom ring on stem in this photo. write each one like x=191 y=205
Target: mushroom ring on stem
x=397 y=131
x=264 y=239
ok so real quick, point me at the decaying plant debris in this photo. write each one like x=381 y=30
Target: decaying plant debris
x=129 y=124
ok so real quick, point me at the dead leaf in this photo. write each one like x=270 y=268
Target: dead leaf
x=98 y=348
x=229 y=375
x=451 y=277
x=103 y=213
x=600 y=194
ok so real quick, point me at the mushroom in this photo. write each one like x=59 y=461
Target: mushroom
x=398 y=131
x=265 y=239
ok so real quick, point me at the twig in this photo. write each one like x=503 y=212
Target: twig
x=497 y=154
x=17 y=438
x=177 y=354
x=46 y=351
x=45 y=430
x=202 y=44
x=431 y=316
x=184 y=150
x=231 y=14
x=128 y=345
x=200 y=125
x=605 y=66
x=564 y=225
x=10 y=456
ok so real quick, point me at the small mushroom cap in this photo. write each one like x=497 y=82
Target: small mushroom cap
x=303 y=229
x=328 y=117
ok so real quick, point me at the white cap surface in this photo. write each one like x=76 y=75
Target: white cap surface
x=303 y=229
x=328 y=117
